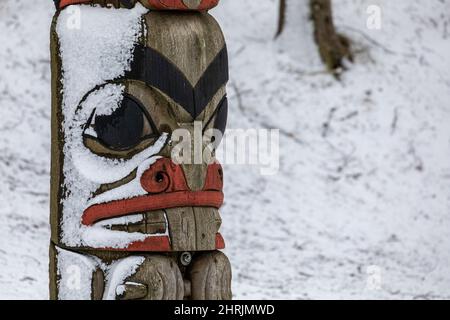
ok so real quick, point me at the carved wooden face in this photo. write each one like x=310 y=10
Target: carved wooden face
x=117 y=186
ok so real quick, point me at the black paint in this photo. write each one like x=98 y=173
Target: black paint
x=222 y=115
x=156 y=70
x=122 y=129
x=129 y=4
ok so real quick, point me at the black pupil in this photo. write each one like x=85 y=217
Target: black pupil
x=123 y=128
x=159 y=177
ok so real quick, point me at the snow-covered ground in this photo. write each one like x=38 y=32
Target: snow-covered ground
x=361 y=205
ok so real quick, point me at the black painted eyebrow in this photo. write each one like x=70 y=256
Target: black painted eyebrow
x=156 y=70
x=223 y=104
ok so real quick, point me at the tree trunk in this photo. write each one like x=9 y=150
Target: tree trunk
x=333 y=48
x=281 y=18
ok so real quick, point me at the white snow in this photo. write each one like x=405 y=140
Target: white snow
x=87 y=66
x=117 y=31
x=133 y=188
x=98 y=237
x=370 y=188
x=120 y=290
x=126 y=220
x=76 y=273
x=117 y=274
x=104 y=100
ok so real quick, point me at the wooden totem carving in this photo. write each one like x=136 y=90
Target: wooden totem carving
x=127 y=221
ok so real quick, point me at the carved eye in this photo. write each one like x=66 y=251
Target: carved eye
x=124 y=128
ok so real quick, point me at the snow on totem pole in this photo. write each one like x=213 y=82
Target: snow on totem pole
x=127 y=221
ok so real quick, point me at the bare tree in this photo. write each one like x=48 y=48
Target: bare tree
x=281 y=18
x=333 y=47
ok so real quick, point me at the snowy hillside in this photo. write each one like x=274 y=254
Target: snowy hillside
x=362 y=195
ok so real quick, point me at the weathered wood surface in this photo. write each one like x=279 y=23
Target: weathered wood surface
x=191 y=47
x=161 y=277
x=210 y=276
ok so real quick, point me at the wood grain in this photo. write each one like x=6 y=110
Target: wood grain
x=210 y=276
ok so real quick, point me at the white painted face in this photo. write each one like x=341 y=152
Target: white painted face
x=94 y=53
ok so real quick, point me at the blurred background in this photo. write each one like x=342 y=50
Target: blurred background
x=360 y=207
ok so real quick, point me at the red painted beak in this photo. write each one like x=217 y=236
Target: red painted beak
x=180 y=5
x=167 y=188
x=156 y=4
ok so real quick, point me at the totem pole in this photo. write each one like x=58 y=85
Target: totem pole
x=127 y=221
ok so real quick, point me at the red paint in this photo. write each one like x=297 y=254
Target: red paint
x=153 y=244
x=162 y=176
x=220 y=243
x=65 y=3
x=156 y=4
x=159 y=244
x=179 y=5
x=141 y=204
x=214 y=178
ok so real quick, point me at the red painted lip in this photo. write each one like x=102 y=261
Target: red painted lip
x=156 y=4
x=179 y=5
x=141 y=204
x=159 y=244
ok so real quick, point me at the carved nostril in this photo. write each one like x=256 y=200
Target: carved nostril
x=159 y=177
x=155 y=182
